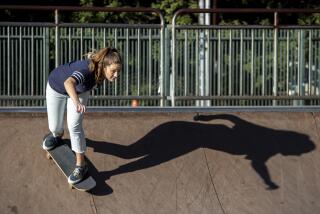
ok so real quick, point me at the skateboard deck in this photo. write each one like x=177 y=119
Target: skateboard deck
x=65 y=159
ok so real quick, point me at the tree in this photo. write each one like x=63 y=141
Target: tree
x=267 y=19
x=169 y=7
x=112 y=17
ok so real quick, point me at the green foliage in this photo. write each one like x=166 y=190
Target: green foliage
x=169 y=7
x=113 y=17
x=268 y=19
x=313 y=19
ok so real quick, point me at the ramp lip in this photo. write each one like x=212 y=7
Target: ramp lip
x=174 y=109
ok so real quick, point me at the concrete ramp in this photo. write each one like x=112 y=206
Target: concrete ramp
x=169 y=163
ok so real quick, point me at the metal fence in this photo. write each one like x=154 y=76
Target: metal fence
x=141 y=51
x=242 y=67
x=179 y=66
x=29 y=51
x=24 y=67
x=245 y=65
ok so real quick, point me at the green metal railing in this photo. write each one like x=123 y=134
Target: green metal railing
x=245 y=65
x=168 y=66
x=29 y=51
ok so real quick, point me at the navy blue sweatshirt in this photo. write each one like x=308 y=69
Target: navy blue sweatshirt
x=79 y=70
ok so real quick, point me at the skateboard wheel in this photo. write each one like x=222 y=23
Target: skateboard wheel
x=70 y=186
x=48 y=156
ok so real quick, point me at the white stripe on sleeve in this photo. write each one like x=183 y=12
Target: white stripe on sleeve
x=79 y=76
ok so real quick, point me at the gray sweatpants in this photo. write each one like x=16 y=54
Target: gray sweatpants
x=56 y=105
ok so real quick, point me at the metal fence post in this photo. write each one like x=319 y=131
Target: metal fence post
x=162 y=61
x=166 y=69
x=173 y=41
x=301 y=65
x=275 y=58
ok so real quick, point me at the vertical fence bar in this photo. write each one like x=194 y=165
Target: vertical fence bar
x=81 y=40
x=310 y=63
x=163 y=72
x=230 y=63
x=127 y=62
x=93 y=46
x=167 y=63
x=185 y=62
x=70 y=45
x=8 y=62
x=36 y=62
x=252 y=63
x=138 y=60
x=219 y=63
x=150 y=64
x=104 y=45
x=299 y=62
x=173 y=61
x=2 y=58
x=317 y=63
x=301 y=73
x=45 y=52
x=115 y=45
x=211 y=63
x=14 y=64
x=288 y=61
x=197 y=67
x=241 y=63
x=57 y=37
x=32 y=61
x=20 y=61
x=207 y=66
x=263 y=61
x=27 y=54
x=275 y=57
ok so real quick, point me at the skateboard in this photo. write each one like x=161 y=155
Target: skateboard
x=65 y=159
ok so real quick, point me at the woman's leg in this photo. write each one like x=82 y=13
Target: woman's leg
x=56 y=104
x=77 y=137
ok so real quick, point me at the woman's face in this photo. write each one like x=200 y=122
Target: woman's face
x=111 y=72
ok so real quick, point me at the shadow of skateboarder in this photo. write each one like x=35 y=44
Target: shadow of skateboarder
x=176 y=138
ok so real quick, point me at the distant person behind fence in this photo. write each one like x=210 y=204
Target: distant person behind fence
x=70 y=85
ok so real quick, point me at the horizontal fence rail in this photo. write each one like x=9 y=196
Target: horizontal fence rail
x=193 y=66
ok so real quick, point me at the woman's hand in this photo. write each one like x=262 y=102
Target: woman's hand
x=70 y=86
x=80 y=107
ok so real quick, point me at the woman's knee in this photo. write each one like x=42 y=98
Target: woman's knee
x=75 y=128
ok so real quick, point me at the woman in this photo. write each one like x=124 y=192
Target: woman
x=70 y=85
